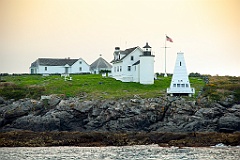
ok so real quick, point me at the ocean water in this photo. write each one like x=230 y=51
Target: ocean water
x=148 y=152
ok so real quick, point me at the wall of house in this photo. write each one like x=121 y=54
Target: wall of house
x=147 y=69
x=75 y=68
x=51 y=69
x=136 y=73
x=33 y=70
x=80 y=66
x=120 y=70
x=117 y=71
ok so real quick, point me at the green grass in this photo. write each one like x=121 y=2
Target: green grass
x=86 y=86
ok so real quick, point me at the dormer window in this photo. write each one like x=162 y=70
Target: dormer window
x=80 y=62
x=119 y=56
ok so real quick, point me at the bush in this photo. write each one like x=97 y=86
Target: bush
x=195 y=74
x=237 y=96
x=4 y=74
x=13 y=92
x=10 y=90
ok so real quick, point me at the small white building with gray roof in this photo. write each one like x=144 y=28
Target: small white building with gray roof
x=100 y=65
x=59 y=66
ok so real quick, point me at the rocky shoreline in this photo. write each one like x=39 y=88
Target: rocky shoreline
x=101 y=139
x=168 y=115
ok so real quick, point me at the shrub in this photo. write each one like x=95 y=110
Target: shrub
x=10 y=90
x=13 y=92
x=195 y=74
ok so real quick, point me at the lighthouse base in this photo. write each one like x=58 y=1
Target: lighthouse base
x=181 y=94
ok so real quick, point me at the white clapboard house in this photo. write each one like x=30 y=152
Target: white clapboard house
x=63 y=66
x=180 y=84
x=133 y=65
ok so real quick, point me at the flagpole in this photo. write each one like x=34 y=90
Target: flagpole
x=170 y=40
x=165 y=75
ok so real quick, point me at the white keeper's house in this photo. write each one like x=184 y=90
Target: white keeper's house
x=59 y=66
x=133 y=65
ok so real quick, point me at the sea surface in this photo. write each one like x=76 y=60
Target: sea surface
x=148 y=152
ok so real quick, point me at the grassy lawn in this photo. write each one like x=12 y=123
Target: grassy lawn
x=85 y=86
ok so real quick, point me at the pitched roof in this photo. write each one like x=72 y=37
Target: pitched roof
x=128 y=51
x=53 y=62
x=125 y=53
x=136 y=63
x=100 y=63
x=34 y=64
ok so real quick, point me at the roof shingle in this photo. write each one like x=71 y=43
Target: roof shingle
x=125 y=53
x=53 y=62
x=100 y=63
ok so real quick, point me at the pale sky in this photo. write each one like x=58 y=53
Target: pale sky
x=207 y=31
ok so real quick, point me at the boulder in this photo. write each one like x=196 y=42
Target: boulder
x=2 y=101
x=1 y=122
x=229 y=123
x=18 y=109
x=235 y=109
x=36 y=123
x=228 y=101
x=83 y=107
x=52 y=101
x=209 y=113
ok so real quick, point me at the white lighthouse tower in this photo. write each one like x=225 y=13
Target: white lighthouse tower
x=180 y=82
x=147 y=66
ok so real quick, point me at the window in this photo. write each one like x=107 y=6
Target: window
x=129 y=68
x=178 y=85
x=187 y=85
x=117 y=68
x=182 y=85
x=132 y=58
x=80 y=62
x=120 y=68
x=174 y=85
x=114 y=69
x=180 y=63
x=45 y=68
x=80 y=68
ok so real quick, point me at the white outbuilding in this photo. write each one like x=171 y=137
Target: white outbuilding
x=59 y=66
x=180 y=84
x=100 y=65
